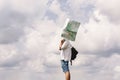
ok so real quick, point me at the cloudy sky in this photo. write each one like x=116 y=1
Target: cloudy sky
x=30 y=33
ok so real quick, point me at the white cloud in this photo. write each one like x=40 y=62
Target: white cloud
x=55 y=7
x=35 y=54
x=28 y=6
x=80 y=10
x=99 y=37
x=117 y=68
x=109 y=8
x=2 y=2
x=4 y=49
x=102 y=67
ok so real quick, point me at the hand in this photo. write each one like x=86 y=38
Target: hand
x=61 y=43
x=59 y=48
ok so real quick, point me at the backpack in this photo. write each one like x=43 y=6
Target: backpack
x=74 y=53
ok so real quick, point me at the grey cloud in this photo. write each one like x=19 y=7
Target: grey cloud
x=12 y=25
x=27 y=75
x=80 y=10
x=36 y=45
x=13 y=20
x=103 y=53
x=14 y=61
x=102 y=67
x=109 y=52
x=51 y=15
x=111 y=11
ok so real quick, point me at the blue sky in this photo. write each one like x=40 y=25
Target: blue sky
x=30 y=34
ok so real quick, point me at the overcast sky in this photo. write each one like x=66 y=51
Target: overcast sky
x=30 y=34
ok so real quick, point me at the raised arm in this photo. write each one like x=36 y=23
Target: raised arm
x=64 y=45
x=61 y=43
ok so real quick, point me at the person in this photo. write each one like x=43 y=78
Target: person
x=65 y=53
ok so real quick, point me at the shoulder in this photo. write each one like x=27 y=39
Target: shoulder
x=67 y=42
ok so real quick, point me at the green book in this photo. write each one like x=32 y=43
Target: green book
x=70 y=30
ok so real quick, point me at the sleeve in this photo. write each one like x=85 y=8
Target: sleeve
x=65 y=45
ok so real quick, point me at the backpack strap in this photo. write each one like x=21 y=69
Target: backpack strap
x=71 y=62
